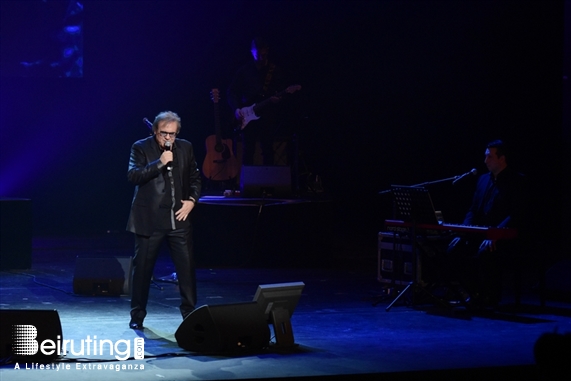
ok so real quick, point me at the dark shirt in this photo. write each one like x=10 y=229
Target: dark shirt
x=500 y=202
x=171 y=201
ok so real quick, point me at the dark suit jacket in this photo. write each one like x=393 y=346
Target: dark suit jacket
x=146 y=172
x=503 y=203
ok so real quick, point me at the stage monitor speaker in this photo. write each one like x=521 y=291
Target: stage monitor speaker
x=227 y=328
x=23 y=331
x=102 y=276
x=265 y=181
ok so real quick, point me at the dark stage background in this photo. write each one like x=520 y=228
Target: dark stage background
x=394 y=92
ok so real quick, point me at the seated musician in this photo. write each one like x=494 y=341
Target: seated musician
x=500 y=200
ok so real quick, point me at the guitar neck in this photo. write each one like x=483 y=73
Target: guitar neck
x=217 y=128
x=266 y=101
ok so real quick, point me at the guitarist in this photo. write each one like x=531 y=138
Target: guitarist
x=257 y=80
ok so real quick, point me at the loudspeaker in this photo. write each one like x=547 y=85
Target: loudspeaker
x=227 y=328
x=23 y=331
x=107 y=276
x=265 y=181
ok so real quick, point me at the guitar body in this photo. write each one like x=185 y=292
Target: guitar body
x=220 y=163
x=248 y=114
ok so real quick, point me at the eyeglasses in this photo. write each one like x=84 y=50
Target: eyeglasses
x=165 y=134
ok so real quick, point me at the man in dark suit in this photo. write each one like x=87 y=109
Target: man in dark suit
x=501 y=200
x=167 y=187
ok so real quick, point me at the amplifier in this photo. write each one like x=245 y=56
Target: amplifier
x=265 y=181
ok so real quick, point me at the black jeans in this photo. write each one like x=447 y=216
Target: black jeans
x=146 y=253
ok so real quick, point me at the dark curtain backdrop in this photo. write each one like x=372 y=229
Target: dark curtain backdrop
x=393 y=92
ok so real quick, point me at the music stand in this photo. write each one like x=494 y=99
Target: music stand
x=413 y=205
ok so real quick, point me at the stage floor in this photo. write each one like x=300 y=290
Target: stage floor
x=339 y=332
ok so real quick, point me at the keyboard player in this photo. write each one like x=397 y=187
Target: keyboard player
x=500 y=200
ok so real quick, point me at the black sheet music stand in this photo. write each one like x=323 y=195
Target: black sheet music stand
x=414 y=205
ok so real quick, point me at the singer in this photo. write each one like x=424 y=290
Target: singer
x=501 y=200
x=167 y=187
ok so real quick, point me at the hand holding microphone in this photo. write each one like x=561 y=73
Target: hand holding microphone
x=167 y=156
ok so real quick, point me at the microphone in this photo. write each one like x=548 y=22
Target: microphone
x=148 y=124
x=168 y=148
x=458 y=178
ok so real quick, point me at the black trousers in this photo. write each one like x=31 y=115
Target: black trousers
x=478 y=270
x=146 y=253
x=264 y=132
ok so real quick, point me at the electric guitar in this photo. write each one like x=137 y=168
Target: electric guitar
x=250 y=113
x=220 y=163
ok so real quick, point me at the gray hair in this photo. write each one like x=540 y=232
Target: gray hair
x=168 y=116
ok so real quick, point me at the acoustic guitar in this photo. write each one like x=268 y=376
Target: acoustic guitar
x=220 y=163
